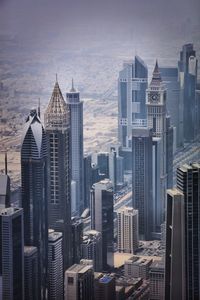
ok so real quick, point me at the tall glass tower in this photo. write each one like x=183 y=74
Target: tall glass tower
x=57 y=125
x=34 y=193
x=75 y=107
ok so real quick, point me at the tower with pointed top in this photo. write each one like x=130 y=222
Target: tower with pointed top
x=34 y=193
x=157 y=119
x=75 y=106
x=57 y=125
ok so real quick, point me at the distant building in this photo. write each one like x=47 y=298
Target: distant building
x=11 y=254
x=77 y=238
x=75 y=107
x=87 y=162
x=4 y=191
x=142 y=163
x=57 y=125
x=174 y=251
x=55 y=265
x=103 y=163
x=34 y=193
x=156 y=278
x=102 y=218
x=79 y=282
x=92 y=248
x=188 y=81
x=127 y=230
x=30 y=273
x=105 y=287
x=137 y=267
x=132 y=85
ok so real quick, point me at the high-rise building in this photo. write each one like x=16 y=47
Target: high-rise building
x=77 y=237
x=11 y=254
x=5 y=187
x=87 y=179
x=105 y=287
x=92 y=248
x=132 y=85
x=75 y=107
x=55 y=265
x=79 y=282
x=57 y=125
x=188 y=182
x=157 y=120
x=170 y=77
x=169 y=152
x=156 y=279
x=30 y=273
x=142 y=179
x=116 y=167
x=102 y=218
x=102 y=160
x=34 y=193
x=174 y=251
x=127 y=229
x=188 y=80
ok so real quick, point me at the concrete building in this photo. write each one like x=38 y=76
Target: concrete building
x=127 y=230
x=79 y=282
x=75 y=106
x=157 y=282
x=11 y=254
x=137 y=267
x=102 y=218
x=132 y=85
x=57 y=125
x=92 y=248
x=34 y=193
x=30 y=273
x=174 y=251
x=142 y=179
x=77 y=238
x=188 y=183
x=55 y=266
x=104 y=287
x=5 y=187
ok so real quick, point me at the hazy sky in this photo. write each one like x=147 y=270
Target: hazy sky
x=78 y=18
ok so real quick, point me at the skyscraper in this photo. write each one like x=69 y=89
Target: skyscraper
x=157 y=282
x=188 y=79
x=79 y=282
x=77 y=237
x=105 y=288
x=127 y=230
x=142 y=179
x=57 y=125
x=87 y=178
x=30 y=273
x=11 y=254
x=55 y=265
x=34 y=193
x=188 y=182
x=174 y=251
x=157 y=120
x=102 y=218
x=92 y=248
x=75 y=107
x=132 y=85
x=4 y=188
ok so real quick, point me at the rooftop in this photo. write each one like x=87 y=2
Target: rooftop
x=78 y=268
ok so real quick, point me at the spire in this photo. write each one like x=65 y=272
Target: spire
x=156 y=78
x=39 y=107
x=72 y=88
x=6 y=163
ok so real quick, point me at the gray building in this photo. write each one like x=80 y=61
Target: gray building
x=188 y=182
x=102 y=218
x=75 y=106
x=57 y=125
x=55 y=265
x=174 y=251
x=92 y=248
x=11 y=254
x=79 y=282
x=4 y=191
x=137 y=267
x=142 y=179
x=34 y=193
x=77 y=238
x=132 y=85
x=104 y=287
x=188 y=80
x=156 y=279
x=170 y=77
x=30 y=273
x=127 y=229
